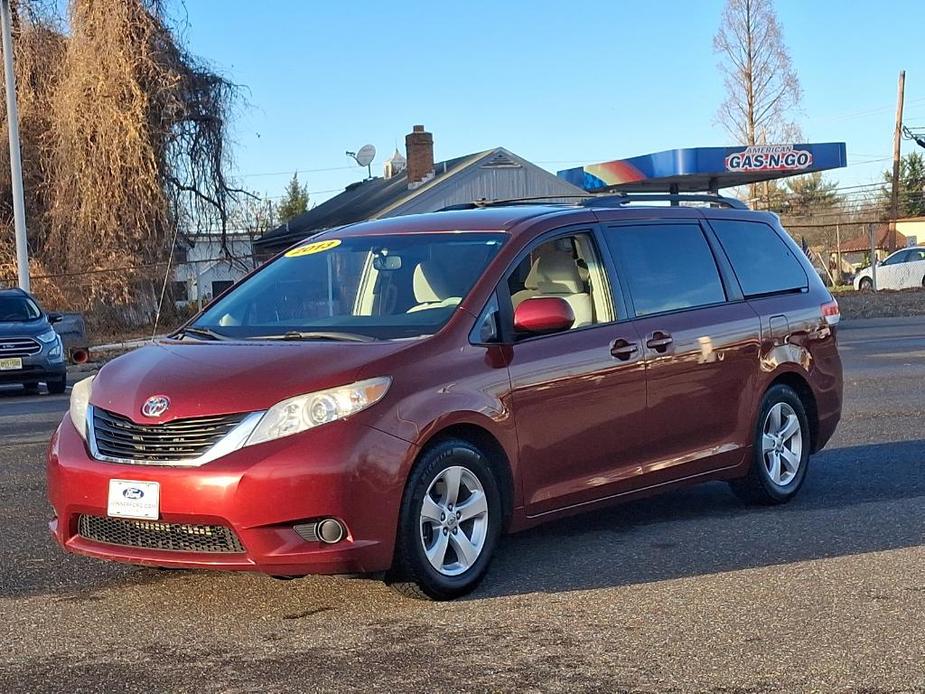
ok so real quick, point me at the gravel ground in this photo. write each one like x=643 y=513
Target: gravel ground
x=882 y=304
x=686 y=592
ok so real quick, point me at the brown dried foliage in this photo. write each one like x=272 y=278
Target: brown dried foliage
x=123 y=136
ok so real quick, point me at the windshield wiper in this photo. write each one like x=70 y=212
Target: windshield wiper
x=201 y=333
x=317 y=335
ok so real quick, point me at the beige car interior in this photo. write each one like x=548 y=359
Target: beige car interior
x=433 y=284
x=556 y=271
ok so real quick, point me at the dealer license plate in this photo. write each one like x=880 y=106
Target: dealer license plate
x=131 y=499
x=10 y=364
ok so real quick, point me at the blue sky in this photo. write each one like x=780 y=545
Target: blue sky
x=561 y=84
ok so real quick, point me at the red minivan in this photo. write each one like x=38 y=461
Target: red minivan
x=389 y=397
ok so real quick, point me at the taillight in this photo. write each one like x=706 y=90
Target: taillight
x=830 y=312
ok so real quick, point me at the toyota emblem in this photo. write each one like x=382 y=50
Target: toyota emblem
x=155 y=406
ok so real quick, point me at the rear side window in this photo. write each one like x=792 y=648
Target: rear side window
x=762 y=262
x=669 y=267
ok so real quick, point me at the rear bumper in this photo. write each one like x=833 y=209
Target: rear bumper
x=345 y=471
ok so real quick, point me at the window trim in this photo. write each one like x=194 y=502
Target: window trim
x=613 y=290
x=774 y=230
x=501 y=316
x=727 y=278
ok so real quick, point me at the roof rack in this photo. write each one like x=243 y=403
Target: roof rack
x=609 y=200
x=536 y=199
x=617 y=199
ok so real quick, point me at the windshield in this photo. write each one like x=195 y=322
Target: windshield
x=378 y=287
x=18 y=308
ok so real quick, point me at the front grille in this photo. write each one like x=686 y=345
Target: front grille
x=172 y=537
x=18 y=347
x=182 y=439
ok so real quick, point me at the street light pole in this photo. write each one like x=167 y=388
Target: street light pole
x=12 y=119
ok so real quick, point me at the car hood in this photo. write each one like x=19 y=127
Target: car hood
x=211 y=378
x=24 y=328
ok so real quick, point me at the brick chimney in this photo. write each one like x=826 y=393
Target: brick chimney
x=419 y=147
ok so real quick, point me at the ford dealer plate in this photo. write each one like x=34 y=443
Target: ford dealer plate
x=131 y=499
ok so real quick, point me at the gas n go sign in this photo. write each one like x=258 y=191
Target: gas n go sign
x=769 y=158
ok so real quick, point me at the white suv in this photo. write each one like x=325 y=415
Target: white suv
x=901 y=270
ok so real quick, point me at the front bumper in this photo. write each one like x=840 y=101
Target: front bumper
x=35 y=368
x=343 y=470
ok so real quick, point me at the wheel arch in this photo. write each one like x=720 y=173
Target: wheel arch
x=803 y=390
x=489 y=444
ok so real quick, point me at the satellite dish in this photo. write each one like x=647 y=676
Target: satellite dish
x=366 y=155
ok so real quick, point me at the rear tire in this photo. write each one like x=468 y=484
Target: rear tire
x=57 y=387
x=449 y=525
x=866 y=284
x=780 y=450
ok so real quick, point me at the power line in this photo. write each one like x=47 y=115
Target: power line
x=294 y=171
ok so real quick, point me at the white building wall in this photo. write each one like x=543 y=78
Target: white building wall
x=207 y=262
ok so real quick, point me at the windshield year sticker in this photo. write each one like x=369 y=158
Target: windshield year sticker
x=310 y=248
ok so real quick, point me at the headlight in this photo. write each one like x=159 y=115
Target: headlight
x=80 y=400
x=305 y=412
x=46 y=337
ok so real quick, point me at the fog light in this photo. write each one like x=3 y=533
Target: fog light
x=330 y=531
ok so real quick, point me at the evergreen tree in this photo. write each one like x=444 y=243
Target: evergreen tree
x=294 y=202
x=911 y=186
x=805 y=195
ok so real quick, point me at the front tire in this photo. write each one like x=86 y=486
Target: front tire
x=58 y=386
x=866 y=284
x=449 y=525
x=780 y=449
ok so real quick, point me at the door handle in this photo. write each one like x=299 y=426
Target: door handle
x=659 y=341
x=623 y=349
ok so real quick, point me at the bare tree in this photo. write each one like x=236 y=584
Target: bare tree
x=762 y=88
x=125 y=139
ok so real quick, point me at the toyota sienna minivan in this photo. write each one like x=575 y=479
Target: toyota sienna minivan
x=391 y=396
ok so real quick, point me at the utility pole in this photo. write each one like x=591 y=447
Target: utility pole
x=897 y=141
x=872 y=236
x=837 y=255
x=12 y=119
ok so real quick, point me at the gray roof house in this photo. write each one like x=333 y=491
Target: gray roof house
x=418 y=184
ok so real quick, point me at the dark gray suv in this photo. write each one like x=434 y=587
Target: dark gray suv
x=30 y=349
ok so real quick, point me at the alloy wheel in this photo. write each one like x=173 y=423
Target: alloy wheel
x=782 y=444
x=454 y=521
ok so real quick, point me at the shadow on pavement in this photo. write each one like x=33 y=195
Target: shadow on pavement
x=855 y=500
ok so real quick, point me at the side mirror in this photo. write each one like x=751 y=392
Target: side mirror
x=546 y=314
x=54 y=317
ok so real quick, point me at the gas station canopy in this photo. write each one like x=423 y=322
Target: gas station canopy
x=706 y=168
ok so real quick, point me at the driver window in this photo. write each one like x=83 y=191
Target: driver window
x=895 y=258
x=568 y=267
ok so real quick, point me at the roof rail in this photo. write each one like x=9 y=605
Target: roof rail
x=610 y=200
x=619 y=199
x=533 y=200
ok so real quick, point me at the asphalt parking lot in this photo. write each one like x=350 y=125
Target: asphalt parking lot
x=687 y=592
